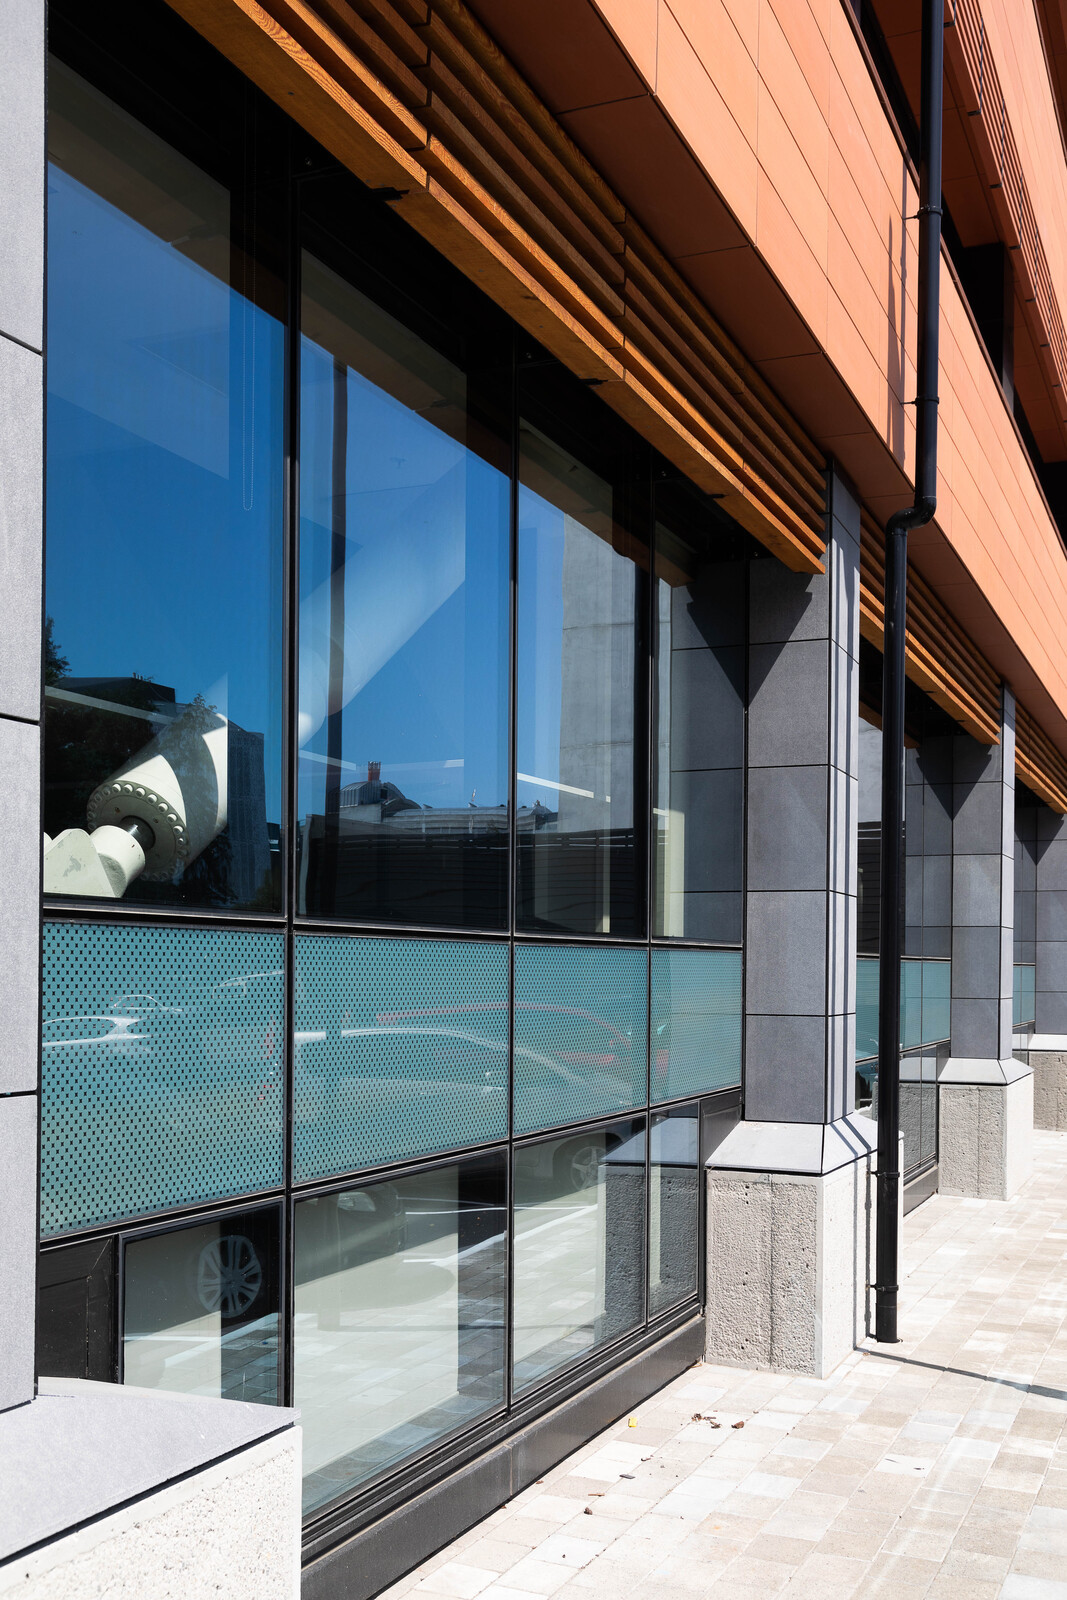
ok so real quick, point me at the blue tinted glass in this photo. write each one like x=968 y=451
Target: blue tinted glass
x=911 y=1000
x=404 y=547
x=1024 y=994
x=581 y=1033
x=579 y=1246
x=700 y=603
x=673 y=1207
x=696 y=1021
x=164 y=575
x=582 y=552
x=399 y=1337
x=936 y=1001
x=162 y=1076
x=401 y=1048
x=866 y=1007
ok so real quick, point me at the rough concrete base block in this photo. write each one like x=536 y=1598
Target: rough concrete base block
x=787 y=1268
x=985 y=1137
x=230 y=1532
x=1050 y=1089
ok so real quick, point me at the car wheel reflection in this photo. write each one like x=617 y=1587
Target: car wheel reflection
x=229 y=1275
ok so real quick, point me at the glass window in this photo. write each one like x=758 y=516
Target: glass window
x=404 y=551
x=399 y=1337
x=200 y=1308
x=163 y=667
x=581 y=1033
x=700 y=718
x=583 y=561
x=162 y=1070
x=673 y=1207
x=401 y=1049
x=696 y=1021
x=869 y=764
x=579 y=1268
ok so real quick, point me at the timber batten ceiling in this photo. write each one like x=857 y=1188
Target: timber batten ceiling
x=416 y=100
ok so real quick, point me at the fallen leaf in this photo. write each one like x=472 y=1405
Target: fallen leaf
x=589 y=1511
x=737 y=1424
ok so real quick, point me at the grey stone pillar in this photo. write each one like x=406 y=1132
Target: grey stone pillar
x=985 y=1095
x=22 y=200
x=787 y=1188
x=1048 y=1043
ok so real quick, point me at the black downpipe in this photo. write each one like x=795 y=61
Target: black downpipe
x=891 y=920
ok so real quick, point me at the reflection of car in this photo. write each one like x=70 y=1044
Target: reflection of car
x=95 y=1031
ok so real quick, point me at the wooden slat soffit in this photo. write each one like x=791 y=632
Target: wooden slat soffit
x=945 y=662
x=414 y=97
x=1038 y=763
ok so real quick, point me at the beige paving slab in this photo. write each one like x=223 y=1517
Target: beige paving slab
x=932 y=1470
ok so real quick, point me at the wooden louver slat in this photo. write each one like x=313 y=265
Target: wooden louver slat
x=416 y=99
x=940 y=657
x=1038 y=763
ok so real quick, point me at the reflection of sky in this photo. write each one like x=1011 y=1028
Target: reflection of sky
x=539 y=669
x=164 y=466
x=425 y=600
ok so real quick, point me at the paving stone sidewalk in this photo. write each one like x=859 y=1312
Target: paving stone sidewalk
x=936 y=1469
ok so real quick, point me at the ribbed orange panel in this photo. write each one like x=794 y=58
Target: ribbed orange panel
x=940 y=657
x=1038 y=763
x=414 y=97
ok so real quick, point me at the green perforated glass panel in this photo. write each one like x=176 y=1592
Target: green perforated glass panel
x=162 y=1070
x=696 y=1021
x=581 y=1033
x=1024 y=994
x=401 y=1049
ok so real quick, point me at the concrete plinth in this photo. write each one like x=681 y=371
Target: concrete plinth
x=788 y=1250
x=986 y=1123
x=1047 y=1056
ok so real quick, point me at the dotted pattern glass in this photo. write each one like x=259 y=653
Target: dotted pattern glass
x=162 y=1070
x=925 y=1004
x=401 y=1049
x=581 y=1033
x=696 y=1022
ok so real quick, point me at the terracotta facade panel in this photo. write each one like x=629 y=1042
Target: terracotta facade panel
x=707 y=124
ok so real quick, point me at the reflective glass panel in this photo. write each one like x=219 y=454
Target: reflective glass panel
x=399 y=1338
x=162 y=1070
x=700 y=718
x=583 y=562
x=400 y=1049
x=581 y=1033
x=696 y=1021
x=200 y=1309
x=936 y=1004
x=673 y=1207
x=163 y=666
x=579 y=1250
x=404 y=549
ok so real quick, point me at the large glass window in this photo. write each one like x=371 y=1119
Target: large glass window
x=404 y=546
x=700 y=592
x=395 y=747
x=399 y=1338
x=579 y=1246
x=165 y=495
x=200 y=1308
x=583 y=565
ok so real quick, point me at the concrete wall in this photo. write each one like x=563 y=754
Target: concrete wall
x=231 y=1532
x=21 y=492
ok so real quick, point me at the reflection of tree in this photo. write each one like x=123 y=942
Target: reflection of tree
x=56 y=666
